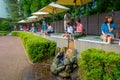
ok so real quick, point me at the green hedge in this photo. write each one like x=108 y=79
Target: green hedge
x=3 y=33
x=37 y=47
x=97 y=64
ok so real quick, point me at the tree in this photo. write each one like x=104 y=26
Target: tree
x=30 y=6
x=5 y=25
x=106 y=5
x=94 y=7
x=25 y=5
x=116 y=5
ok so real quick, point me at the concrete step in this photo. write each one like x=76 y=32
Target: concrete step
x=115 y=41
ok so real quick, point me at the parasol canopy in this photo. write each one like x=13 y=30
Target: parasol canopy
x=73 y=2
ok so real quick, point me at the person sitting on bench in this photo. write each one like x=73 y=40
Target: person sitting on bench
x=107 y=29
x=49 y=29
x=79 y=32
x=69 y=30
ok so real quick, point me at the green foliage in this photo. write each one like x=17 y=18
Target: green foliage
x=30 y=6
x=26 y=7
x=3 y=33
x=116 y=5
x=5 y=25
x=97 y=64
x=107 y=6
x=38 y=48
x=35 y=5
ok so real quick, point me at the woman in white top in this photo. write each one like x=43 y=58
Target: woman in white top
x=69 y=28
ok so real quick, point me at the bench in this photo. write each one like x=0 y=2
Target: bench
x=117 y=35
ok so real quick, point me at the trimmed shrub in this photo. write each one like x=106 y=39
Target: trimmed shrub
x=3 y=33
x=97 y=64
x=37 y=47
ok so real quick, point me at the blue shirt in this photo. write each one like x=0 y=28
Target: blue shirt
x=105 y=29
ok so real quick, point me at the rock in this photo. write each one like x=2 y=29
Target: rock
x=60 y=64
x=65 y=64
x=59 y=69
x=53 y=68
x=68 y=68
x=64 y=74
x=74 y=75
x=74 y=66
x=60 y=56
x=72 y=59
x=56 y=61
x=66 y=61
x=59 y=78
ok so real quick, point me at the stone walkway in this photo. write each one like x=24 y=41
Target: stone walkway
x=13 y=61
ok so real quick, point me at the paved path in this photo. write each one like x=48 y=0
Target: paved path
x=13 y=60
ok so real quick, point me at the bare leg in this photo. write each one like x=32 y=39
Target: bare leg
x=104 y=38
x=109 y=40
x=46 y=33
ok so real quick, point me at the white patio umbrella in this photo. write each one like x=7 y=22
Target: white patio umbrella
x=32 y=18
x=41 y=15
x=22 y=21
x=54 y=9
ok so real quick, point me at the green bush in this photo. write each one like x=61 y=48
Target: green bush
x=37 y=47
x=97 y=64
x=5 y=25
x=3 y=33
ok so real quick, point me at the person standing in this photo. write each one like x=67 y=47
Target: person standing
x=44 y=25
x=107 y=29
x=32 y=27
x=66 y=20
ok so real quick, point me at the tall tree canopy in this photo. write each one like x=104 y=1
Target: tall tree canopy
x=30 y=6
x=26 y=7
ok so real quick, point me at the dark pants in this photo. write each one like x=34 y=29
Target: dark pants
x=49 y=32
x=77 y=35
